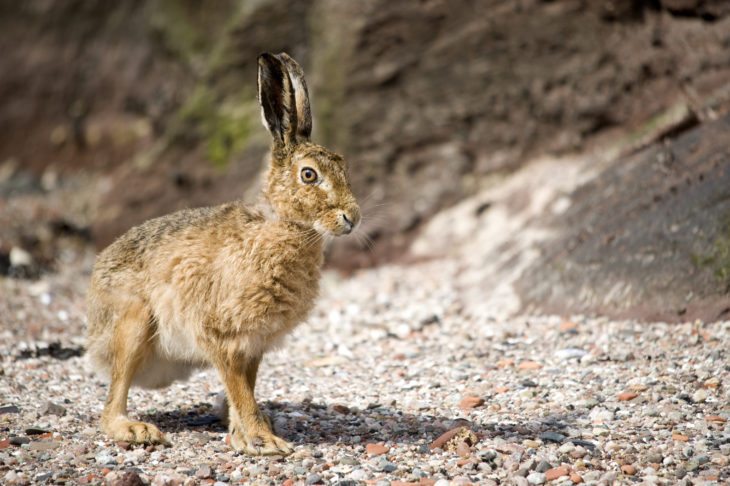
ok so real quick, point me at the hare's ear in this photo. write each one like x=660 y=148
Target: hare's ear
x=276 y=98
x=301 y=97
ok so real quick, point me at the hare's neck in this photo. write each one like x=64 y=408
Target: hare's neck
x=306 y=239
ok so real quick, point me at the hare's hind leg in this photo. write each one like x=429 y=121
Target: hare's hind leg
x=131 y=344
x=250 y=429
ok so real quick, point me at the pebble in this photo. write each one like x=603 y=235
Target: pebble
x=314 y=479
x=570 y=353
x=536 y=478
x=203 y=472
x=628 y=469
x=376 y=449
x=700 y=396
x=470 y=402
x=9 y=409
x=566 y=448
x=44 y=445
x=552 y=437
x=349 y=461
x=50 y=408
x=556 y=472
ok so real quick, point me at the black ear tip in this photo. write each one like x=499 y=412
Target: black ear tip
x=266 y=57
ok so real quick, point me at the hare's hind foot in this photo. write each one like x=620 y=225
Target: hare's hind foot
x=123 y=429
x=259 y=442
x=221 y=409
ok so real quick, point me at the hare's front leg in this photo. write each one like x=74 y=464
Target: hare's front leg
x=249 y=428
x=129 y=348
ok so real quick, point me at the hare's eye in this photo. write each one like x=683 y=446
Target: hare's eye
x=308 y=175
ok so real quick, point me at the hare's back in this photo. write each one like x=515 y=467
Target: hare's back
x=132 y=253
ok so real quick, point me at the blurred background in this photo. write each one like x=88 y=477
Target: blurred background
x=569 y=156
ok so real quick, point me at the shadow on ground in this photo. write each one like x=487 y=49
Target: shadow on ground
x=312 y=423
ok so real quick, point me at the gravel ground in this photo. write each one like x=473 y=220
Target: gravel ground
x=390 y=360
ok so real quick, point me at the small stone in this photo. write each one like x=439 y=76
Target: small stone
x=536 y=478
x=44 y=445
x=576 y=478
x=342 y=409
x=532 y=444
x=578 y=452
x=556 y=472
x=42 y=477
x=314 y=479
x=105 y=457
x=566 y=448
x=626 y=396
x=543 y=466
x=702 y=459
x=130 y=478
x=20 y=258
x=349 y=461
x=50 y=408
x=568 y=327
x=700 y=396
x=385 y=466
x=716 y=419
x=203 y=472
x=9 y=409
x=376 y=449
x=18 y=441
x=570 y=353
x=124 y=445
x=4 y=444
x=713 y=382
x=35 y=431
x=530 y=365
x=470 y=402
x=628 y=469
x=680 y=437
x=463 y=449
x=654 y=458
x=552 y=437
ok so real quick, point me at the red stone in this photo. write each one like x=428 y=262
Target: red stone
x=376 y=449
x=556 y=472
x=469 y=402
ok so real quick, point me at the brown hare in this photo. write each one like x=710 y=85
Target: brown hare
x=220 y=286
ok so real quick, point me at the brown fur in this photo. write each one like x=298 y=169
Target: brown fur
x=221 y=286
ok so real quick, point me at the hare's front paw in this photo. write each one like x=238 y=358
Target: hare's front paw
x=260 y=442
x=135 y=432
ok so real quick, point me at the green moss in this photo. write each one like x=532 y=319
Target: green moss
x=722 y=258
x=718 y=258
x=223 y=126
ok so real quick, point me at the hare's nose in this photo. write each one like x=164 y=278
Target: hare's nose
x=348 y=222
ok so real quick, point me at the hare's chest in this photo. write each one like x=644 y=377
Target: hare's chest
x=277 y=292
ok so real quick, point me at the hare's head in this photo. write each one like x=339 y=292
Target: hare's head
x=306 y=183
